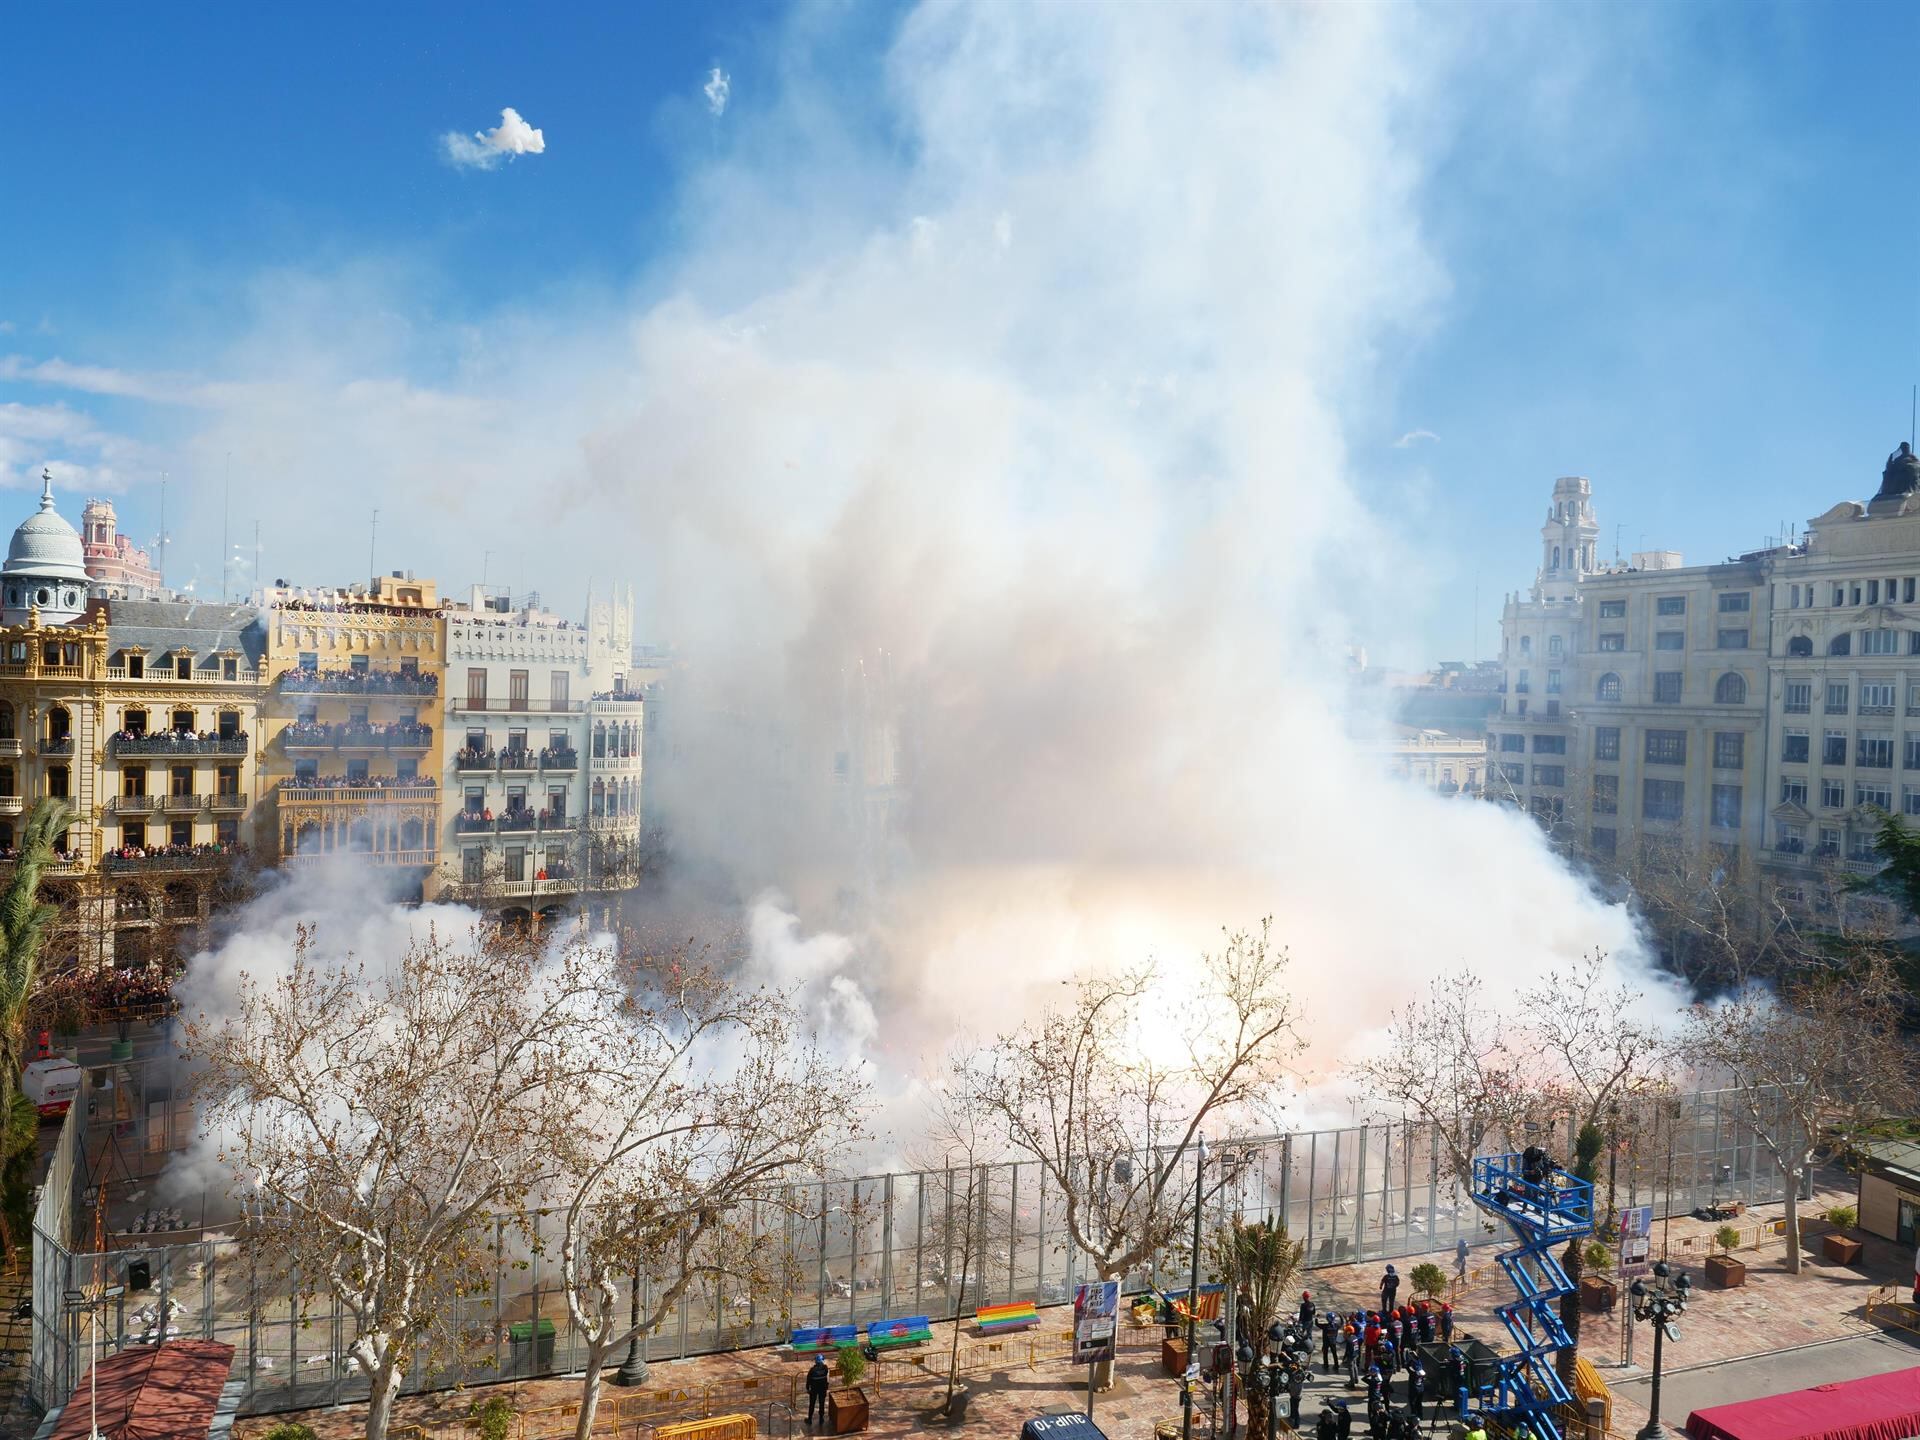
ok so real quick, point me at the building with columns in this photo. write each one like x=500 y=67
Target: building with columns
x=1762 y=713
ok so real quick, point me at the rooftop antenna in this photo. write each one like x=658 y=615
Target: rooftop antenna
x=1619 y=525
x=373 y=536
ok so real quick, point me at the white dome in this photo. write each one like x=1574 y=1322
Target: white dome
x=46 y=547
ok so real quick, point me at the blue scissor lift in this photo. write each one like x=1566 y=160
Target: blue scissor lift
x=1544 y=1215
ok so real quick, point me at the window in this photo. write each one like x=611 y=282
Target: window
x=1906 y=598
x=1616 y=640
x=1874 y=749
x=476 y=688
x=1526 y=645
x=229 y=668
x=1799 y=697
x=406 y=769
x=476 y=799
x=1879 y=642
x=1553 y=682
x=356 y=772
x=1913 y=639
x=1662 y=799
x=1829 y=841
x=1730 y=639
x=1730 y=689
x=183 y=667
x=1550 y=775
x=226 y=780
x=1911 y=760
x=1790 y=838
x=1549 y=744
x=1670 y=640
x=1670 y=605
x=1666 y=747
x=1910 y=799
x=137 y=665
x=1725 y=807
x=1729 y=750
x=134 y=722
x=1876 y=793
x=1793 y=792
x=229 y=725
x=227 y=831
x=1876 y=699
x=1606 y=794
x=557 y=688
x=1734 y=602
x=183 y=722
x=1514 y=774
x=359 y=664
x=1553 y=647
x=473 y=865
x=1666 y=687
x=1613 y=609
x=1840 y=645
x=1605 y=842
x=134 y=833
x=1521 y=686
x=1834 y=750
x=1510 y=743
x=516 y=689
x=1833 y=795
x=309 y=660
x=180 y=780
x=1606 y=742
x=1608 y=688
x=180 y=832
x=1836 y=698
x=516 y=862
x=1873 y=592
x=133 y=780
x=1799 y=645
x=57 y=778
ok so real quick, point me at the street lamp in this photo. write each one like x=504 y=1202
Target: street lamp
x=1660 y=1303
x=633 y=1370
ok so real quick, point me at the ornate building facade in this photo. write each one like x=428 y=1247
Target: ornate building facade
x=117 y=568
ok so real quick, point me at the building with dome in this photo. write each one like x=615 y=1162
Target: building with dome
x=46 y=569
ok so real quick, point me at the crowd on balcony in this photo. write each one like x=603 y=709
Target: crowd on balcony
x=558 y=870
x=517 y=816
x=349 y=607
x=363 y=782
x=360 y=682
x=185 y=739
x=357 y=732
x=469 y=758
x=61 y=855
x=173 y=852
x=618 y=695
x=559 y=757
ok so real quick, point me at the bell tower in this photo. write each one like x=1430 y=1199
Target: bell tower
x=1567 y=540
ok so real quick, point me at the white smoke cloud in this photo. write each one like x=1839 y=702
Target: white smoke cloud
x=718 y=88
x=1015 y=580
x=485 y=149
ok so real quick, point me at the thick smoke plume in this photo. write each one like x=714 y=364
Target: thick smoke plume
x=992 y=485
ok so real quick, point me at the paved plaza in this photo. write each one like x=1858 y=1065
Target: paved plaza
x=1817 y=1316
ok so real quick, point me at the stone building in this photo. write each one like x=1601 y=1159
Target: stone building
x=1436 y=760
x=1762 y=713
x=117 y=568
x=542 y=785
x=350 y=748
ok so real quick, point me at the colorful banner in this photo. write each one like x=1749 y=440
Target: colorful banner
x=1096 y=1313
x=1636 y=1240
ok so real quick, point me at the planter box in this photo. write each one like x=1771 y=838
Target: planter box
x=1841 y=1249
x=1173 y=1355
x=1725 y=1272
x=846 y=1411
x=1598 y=1295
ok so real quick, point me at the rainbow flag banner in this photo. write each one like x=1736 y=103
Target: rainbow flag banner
x=823 y=1341
x=894 y=1334
x=999 y=1319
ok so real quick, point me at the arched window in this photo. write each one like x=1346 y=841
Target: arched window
x=308 y=841
x=1730 y=689
x=600 y=740
x=59 y=723
x=182 y=903
x=1800 y=645
x=1608 y=688
x=412 y=836
x=599 y=798
x=1556 y=557
x=1840 y=644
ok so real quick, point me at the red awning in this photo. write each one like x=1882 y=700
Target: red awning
x=151 y=1392
x=1879 y=1407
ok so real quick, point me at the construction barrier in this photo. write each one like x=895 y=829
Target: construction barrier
x=716 y=1427
x=1886 y=1308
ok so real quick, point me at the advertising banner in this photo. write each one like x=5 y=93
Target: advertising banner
x=1096 y=1313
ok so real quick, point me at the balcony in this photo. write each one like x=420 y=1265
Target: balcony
x=134 y=804
x=182 y=804
x=413 y=793
x=475 y=760
x=227 y=801
x=61 y=746
x=466 y=823
x=352 y=736
x=386 y=859
x=401 y=684
x=169 y=860
x=551 y=821
x=1876 y=709
x=481 y=705
x=12 y=804
x=516 y=760
x=162 y=674
x=175 y=742
x=10 y=747
x=555 y=760
x=517 y=822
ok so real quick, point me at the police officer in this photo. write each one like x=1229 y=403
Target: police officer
x=1389 y=1288
x=1416 y=1387
x=1329 y=1338
x=1376 y=1389
x=1350 y=1337
x=817 y=1384
x=1296 y=1382
x=1303 y=1316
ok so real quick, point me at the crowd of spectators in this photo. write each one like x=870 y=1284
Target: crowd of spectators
x=363 y=782
x=360 y=682
x=357 y=732
x=348 y=607
x=187 y=740
x=172 y=852
x=64 y=856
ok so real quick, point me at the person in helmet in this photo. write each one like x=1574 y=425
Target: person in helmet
x=1389 y=1288
x=1303 y=1316
x=1329 y=1341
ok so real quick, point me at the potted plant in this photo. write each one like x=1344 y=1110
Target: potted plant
x=1598 y=1292
x=1723 y=1270
x=847 y=1406
x=1838 y=1247
x=1428 y=1280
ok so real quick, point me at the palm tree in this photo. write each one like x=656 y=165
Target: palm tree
x=24 y=922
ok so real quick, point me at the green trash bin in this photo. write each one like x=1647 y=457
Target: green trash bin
x=531 y=1343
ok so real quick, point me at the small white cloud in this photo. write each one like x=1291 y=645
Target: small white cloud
x=485 y=149
x=1003 y=232
x=718 y=87
x=1413 y=438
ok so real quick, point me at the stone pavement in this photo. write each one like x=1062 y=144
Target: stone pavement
x=1774 y=1311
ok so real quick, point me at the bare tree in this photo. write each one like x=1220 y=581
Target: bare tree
x=376 y=1122
x=1812 y=1063
x=1110 y=1124
x=1454 y=1061
x=708 y=1105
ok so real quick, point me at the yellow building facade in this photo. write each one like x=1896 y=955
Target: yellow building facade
x=351 y=752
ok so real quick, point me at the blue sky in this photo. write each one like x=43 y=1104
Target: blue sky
x=1676 y=243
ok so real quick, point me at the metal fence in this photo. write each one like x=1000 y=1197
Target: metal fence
x=875 y=1247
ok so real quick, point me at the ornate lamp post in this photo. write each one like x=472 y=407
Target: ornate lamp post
x=1659 y=1302
x=634 y=1369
